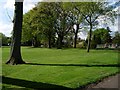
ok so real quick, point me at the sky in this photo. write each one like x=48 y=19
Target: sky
x=7 y=13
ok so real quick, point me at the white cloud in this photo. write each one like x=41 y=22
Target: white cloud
x=9 y=4
x=115 y=26
x=6 y=28
x=27 y=6
x=5 y=25
x=82 y=35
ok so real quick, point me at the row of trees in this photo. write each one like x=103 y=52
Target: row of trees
x=60 y=16
x=99 y=36
x=52 y=22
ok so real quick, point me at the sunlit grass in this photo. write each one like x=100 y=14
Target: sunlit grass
x=63 y=67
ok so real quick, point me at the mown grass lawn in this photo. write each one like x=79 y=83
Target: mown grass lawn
x=70 y=68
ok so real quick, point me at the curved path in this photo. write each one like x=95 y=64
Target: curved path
x=110 y=82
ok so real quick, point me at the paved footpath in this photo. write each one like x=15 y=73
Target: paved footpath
x=110 y=82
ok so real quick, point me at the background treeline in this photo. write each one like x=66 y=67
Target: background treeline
x=57 y=24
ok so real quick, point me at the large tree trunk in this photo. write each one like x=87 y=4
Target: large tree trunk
x=76 y=32
x=15 y=54
x=89 y=38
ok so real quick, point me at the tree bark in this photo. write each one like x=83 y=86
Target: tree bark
x=89 y=38
x=35 y=42
x=15 y=54
x=49 y=41
x=76 y=32
x=60 y=43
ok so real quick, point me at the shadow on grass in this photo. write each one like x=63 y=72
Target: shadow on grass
x=80 y=65
x=32 y=84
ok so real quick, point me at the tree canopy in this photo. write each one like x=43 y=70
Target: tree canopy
x=116 y=38
x=51 y=22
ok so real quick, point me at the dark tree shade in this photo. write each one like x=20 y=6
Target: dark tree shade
x=15 y=54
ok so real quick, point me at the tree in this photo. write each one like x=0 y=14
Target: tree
x=90 y=16
x=91 y=11
x=26 y=28
x=100 y=36
x=116 y=38
x=38 y=24
x=63 y=23
x=15 y=54
x=77 y=19
x=46 y=16
x=31 y=30
x=75 y=33
x=54 y=21
x=4 y=39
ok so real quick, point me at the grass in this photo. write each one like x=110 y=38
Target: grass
x=55 y=68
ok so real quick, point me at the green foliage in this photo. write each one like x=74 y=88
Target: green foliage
x=4 y=39
x=116 y=38
x=52 y=22
x=90 y=11
x=59 y=67
x=27 y=33
x=47 y=17
x=102 y=36
x=31 y=30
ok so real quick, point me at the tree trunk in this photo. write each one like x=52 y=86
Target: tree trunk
x=49 y=41
x=75 y=39
x=89 y=38
x=15 y=54
x=35 y=42
x=60 y=43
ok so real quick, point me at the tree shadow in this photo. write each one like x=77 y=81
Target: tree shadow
x=31 y=84
x=80 y=65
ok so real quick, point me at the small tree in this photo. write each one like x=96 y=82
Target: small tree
x=91 y=11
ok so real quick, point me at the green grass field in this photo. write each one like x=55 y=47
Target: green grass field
x=52 y=68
